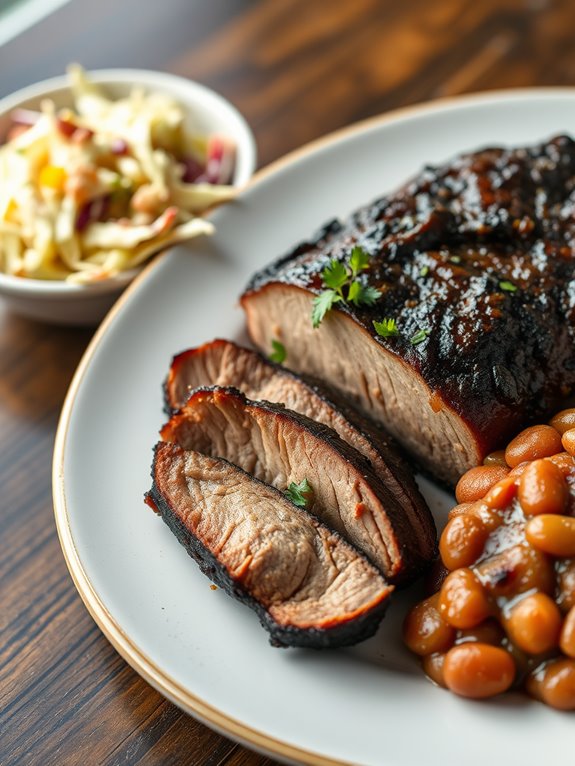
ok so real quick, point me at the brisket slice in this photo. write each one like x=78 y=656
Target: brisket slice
x=281 y=447
x=476 y=260
x=223 y=363
x=308 y=586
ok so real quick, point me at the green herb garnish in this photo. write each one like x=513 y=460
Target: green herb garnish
x=335 y=276
x=363 y=295
x=424 y=271
x=419 y=337
x=387 y=328
x=300 y=494
x=343 y=285
x=455 y=259
x=322 y=303
x=359 y=260
x=278 y=354
x=509 y=287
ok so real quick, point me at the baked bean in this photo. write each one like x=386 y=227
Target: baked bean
x=519 y=469
x=462 y=541
x=459 y=510
x=474 y=483
x=433 y=668
x=555 y=684
x=566 y=585
x=424 y=629
x=567 y=638
x=542 y=489
x=563 y=421
x=552 y=534
x=508 y=602
x=489 y=632
x=533 y=443
x=496 y=458
x=463 y=602
x=478 y=670
x=489 y=517
x=502 y=494
x=568 y=441
x=534 y=624
x=517 y=570
x=563 y=461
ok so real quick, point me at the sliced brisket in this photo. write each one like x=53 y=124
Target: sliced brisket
x=280 y=447
x=475 y=263
x=308 y=586
x=223 y=363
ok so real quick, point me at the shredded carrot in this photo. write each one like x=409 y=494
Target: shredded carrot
x=53 y=177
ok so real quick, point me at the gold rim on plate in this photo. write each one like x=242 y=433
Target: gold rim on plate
x=123 y=644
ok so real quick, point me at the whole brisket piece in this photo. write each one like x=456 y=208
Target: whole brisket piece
x=281 y=447
x=308 y=586
x=223 y=363
x=475 y=264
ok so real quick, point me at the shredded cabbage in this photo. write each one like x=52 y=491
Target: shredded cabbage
x=91 y=191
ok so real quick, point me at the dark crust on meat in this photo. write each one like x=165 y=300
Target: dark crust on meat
x=411 y=563
x=441 y=248
x=344 y=634
x=381 y=441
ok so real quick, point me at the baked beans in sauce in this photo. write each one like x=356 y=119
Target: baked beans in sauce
x=504 y=614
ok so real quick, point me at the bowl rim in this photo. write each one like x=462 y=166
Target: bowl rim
x=155 y=79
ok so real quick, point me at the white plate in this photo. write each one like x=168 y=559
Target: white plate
x=367 y=705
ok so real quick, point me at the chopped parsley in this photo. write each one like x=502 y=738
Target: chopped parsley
x=387 y=328
x=278 y=353
x=359 y=260
x=335 y=276
x=342 y=285
x=323 y=303
x=363 y=295
x=419 y=337
x=455 y=259
x=300 y=494
x=508 y=287
x=424 y=271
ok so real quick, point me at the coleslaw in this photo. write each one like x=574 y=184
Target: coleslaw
x=91 y=191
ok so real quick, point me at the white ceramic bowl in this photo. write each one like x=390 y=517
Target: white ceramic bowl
x=207 y=112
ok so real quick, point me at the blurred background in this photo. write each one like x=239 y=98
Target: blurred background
x=273 y=58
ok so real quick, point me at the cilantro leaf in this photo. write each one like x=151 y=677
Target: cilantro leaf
x=366 y=296
x=419 y=337
x=278 y=354
x=509 y=287
x=300 y=494
x=358 y=260
x=322 y=303
x=387 y=328
x=335 y=275
x=354 y=292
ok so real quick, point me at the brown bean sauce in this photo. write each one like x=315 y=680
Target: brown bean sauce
x=516 y=591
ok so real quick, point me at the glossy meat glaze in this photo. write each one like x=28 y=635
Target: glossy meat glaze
x=479 y=254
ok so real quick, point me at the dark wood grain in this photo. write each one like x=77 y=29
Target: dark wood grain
x=297 y=70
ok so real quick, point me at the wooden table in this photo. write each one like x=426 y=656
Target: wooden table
x=297 y=69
